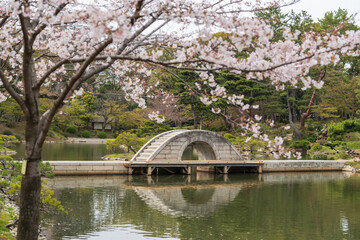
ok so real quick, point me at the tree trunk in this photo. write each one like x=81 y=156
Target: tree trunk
x=194 y=116
x=305 y=115
x=227 y=122
x=132 y=149
x=28 y=228
x=29 y=220
x=291 y=121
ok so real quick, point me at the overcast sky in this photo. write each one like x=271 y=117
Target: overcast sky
x=317 y=8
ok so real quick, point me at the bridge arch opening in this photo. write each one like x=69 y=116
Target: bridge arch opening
x=198 y=150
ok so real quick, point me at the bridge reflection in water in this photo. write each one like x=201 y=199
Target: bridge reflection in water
x=192 y=198
x=205 y=206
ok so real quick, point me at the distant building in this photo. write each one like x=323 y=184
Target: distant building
x=97 y=124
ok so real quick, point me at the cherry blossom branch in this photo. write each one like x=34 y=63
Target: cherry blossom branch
x=3 y=21
x=136 y=14
x=75 y=82
x=43 y=26
x=259 y=9
x=137 y=33
x=50 y=71
x=145 y=37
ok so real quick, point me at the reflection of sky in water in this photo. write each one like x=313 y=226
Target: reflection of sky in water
x=119 y=232
x=344 y=224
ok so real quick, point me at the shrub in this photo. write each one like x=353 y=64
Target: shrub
x=18 y=137
x=300 y=144
x=228 y=136
x=351 y=126
x=312 y=137
x=320 y=157
x=333 y=144
x=222 y=128
x=317 y=147
x=85 y=134
x=7 y=132
x=8 y=141
x=102 y=135
x=342 y=155
x=336 y=130
x=115 y=135
x=71 y=130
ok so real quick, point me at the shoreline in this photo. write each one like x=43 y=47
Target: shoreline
x=117 y=167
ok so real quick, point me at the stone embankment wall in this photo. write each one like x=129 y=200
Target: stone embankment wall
x=88 y=167
x=117 y=167
x=302 y=165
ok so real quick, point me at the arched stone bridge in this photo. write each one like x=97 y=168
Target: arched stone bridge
x=170 y=146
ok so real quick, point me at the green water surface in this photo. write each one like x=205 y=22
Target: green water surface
x=269 y=206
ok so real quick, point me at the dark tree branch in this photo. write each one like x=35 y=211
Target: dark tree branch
x=12 y=92
x=3 y=21
x=76 y=80
x=305 y=115
x=136 y=15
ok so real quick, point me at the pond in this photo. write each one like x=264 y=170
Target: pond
x=202 y=206
x=67 y=151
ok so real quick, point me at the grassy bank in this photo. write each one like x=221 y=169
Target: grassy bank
x=354 y=164
x=120 y=155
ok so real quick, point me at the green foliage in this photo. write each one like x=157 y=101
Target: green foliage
x=79 y=113
x=137 y=119
x=11 y=112
x=7 y=132
x=342 y=155
x=333 y=144
x=18 y=137
x=46 y=170
x=300 y=144
x=336 y=131
x=85 y=134
x=252 y=145
x=8 y=141
x=129 y=140
x=71 y=130
x=320 y=157
x=228 y=136
x=151 y=128
x=10 y=184
x=102 y=135
x=354 y=164
x=316 y=147
x=353 y=145
x=115 y=135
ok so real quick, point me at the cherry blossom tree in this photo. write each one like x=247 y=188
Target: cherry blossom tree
x=49 y=43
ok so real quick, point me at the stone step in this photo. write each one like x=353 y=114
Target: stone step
x=152 y=148
x=148 y=150
x=145 y=155
x=141 y=159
